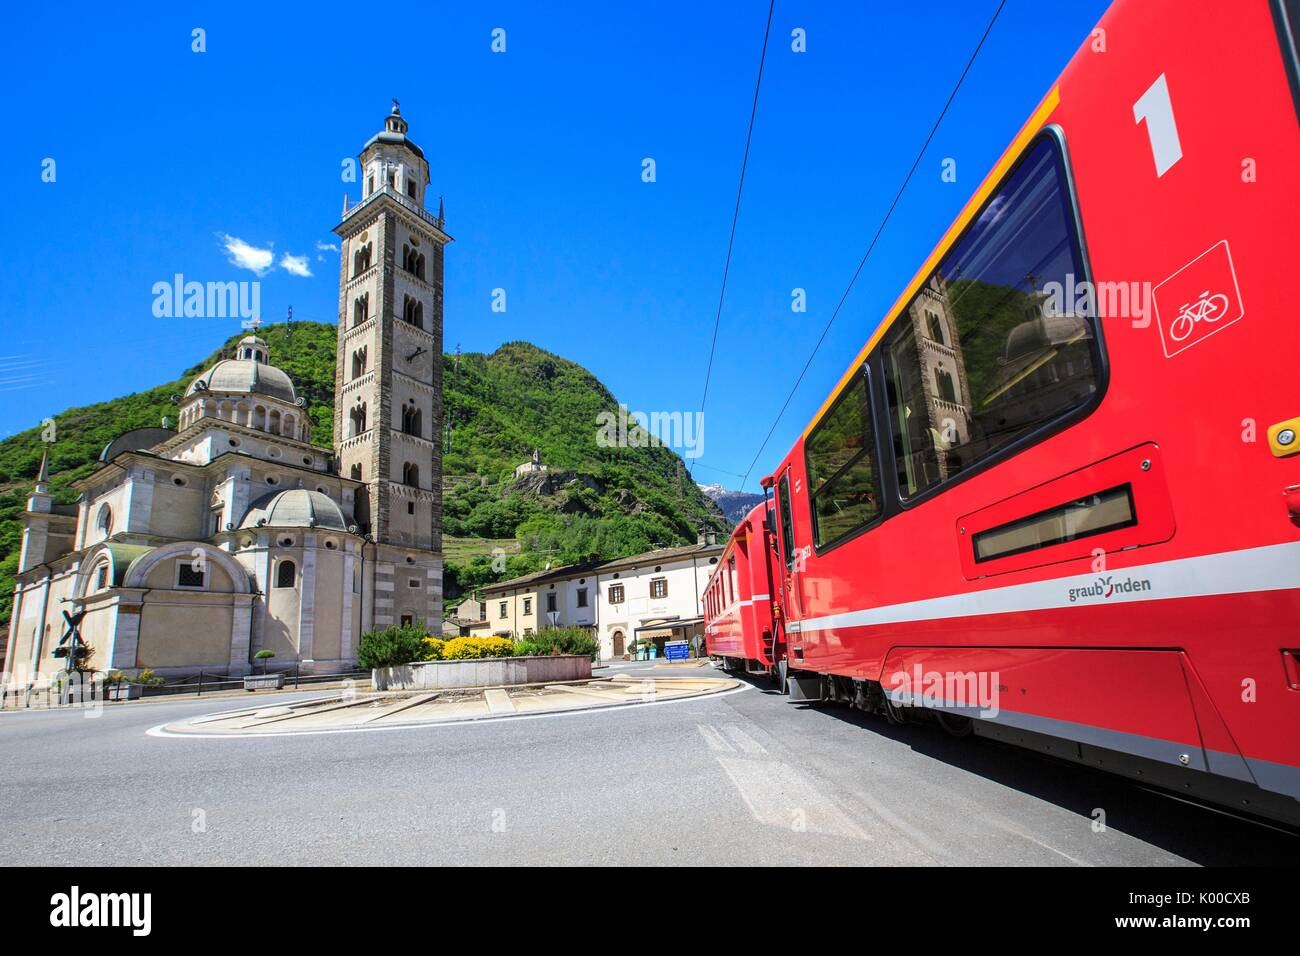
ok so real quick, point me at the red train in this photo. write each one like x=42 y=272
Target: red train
x=1055 y=500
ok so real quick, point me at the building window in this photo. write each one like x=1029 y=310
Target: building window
x=104 y=520
x=411 y=474
x=190 y=573
x=286 y=574
x=616 y=594
x=101 y=577
x=410 y=507
x=359 y=358
x=355 y=472
x=412 y=582
x=357 y=419
x=408 y=620
x=658 y=587
x=528 y=631
x=1018 y=365
x=218 y=521
x=360 y=309
x=528 y=606
x=550 y=602
x=502 y=611
x=582 y=597
x=412 y=420
x=361 y=259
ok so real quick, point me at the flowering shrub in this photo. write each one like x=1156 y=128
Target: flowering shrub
x=471 y=648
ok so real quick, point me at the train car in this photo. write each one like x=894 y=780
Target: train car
x=741 y=629
x=1055 y=499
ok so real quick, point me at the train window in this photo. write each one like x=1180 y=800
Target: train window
x=787 y=527
x=987 y=352
x=1107 y=510
x=842 y=473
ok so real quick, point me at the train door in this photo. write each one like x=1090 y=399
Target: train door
x=790 y=564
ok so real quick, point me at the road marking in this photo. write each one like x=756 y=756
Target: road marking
x=779 y=796
x=161 y=729
x=714 y=739
x=745 y=742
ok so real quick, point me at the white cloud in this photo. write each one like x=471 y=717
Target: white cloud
x=245 y=256
x=327 y=246
x=296 y=265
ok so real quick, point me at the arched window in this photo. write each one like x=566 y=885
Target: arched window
x=411 y=474
x=360 y=309
x=413 y=312
x=412 y=421
x=358 y=419
x=356 y=472
x=419 y=266
x=359 y=361
x=943 y=385
x=104 y=520
x=286 y=574
x=361 y=259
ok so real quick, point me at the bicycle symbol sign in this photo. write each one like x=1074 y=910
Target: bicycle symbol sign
x=1198 y=300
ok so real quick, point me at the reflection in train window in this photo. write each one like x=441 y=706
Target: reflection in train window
x=996 y=343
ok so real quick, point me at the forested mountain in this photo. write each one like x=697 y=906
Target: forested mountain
x=591 y=500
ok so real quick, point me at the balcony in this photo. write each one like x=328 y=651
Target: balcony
x=406 y=202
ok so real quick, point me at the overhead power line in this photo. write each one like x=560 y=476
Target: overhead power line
x=874 y=239
x=735 y=215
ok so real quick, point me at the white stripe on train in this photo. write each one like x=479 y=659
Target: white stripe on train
x=1270 y=568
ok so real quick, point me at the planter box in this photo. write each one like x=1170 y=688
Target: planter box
x=486 y=672
x=124 y=691
x=263 y=682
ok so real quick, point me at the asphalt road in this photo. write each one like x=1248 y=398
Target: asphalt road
x=744 y=778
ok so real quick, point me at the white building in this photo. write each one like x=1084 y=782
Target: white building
x=654 y=596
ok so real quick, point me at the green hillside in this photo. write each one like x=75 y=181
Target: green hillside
x=593 y=501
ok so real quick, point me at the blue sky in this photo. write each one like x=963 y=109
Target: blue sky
x=161 y=152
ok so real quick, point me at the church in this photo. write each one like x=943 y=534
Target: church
x=197 y=548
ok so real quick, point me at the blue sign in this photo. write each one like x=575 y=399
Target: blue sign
x=677 y=650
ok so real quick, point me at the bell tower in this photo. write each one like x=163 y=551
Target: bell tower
x=388 y=377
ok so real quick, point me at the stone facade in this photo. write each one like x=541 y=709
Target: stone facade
x=195 y=549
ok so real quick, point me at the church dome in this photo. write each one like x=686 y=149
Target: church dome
x=295 y=508
x=250 y=372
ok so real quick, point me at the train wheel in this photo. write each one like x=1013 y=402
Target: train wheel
x=955 y=724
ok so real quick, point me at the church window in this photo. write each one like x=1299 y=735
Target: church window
x=101 y=577
x=411 y=474
x=218 y=519
x=355 y=472
x=413 y=312
x=361 y=259
x=936 y=328
x=410 y=188
x=410 y=507
x=359 y=358
x=360 y=309
x=358 y=419
x=286 y=574
x=408 y=620
x=943 y=385
x=370 y=184
x=190 y=573
x=412 y=582
x=104 y=521
x=412 y=420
